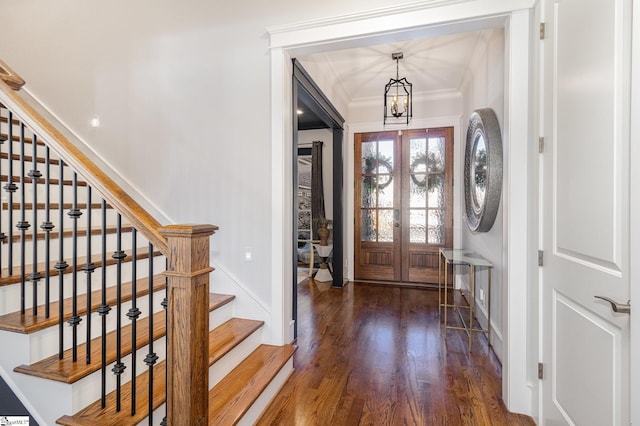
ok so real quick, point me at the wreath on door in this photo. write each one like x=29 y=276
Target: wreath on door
x=380 y=178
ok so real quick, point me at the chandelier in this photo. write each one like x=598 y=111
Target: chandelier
x=398 y=101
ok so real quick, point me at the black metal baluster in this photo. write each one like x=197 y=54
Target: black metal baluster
x=151 y=357
x=165 y=304
x=22 y=225
x=47 y=227
x=10 y=187
x=35 y=174
x=88 y=268
x=74 y=320
x=104 y=309
x=133 y=315
x=61 y=264
x=119 y=367
x=3 y=237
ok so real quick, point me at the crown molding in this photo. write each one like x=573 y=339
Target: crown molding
x=402 y=20
x=358 y=16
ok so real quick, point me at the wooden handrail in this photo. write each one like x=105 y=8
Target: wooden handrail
x=10 y=77
x=90 y=172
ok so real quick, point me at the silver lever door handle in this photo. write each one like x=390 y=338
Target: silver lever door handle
x=617 y=307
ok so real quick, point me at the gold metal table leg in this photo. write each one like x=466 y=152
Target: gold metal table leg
x=472 y=299
x=489 y=306
x=446 y=303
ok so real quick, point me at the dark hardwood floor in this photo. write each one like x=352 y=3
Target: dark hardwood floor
x=374 y=355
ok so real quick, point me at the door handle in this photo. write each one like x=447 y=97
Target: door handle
x=396 y=218
x=617 y=307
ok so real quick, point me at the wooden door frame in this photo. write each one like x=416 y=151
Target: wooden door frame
x=420 y=20
x=634 y=226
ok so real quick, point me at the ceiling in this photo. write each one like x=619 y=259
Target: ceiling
x=432 y=65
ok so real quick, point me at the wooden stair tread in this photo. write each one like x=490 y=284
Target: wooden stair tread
x=42 y=181
x=16 y=138
x=228 y=335
x=230 y=399
x=67 y=371
x=29 y=323
x=218 y=300
x=29 y=159
x=52 y=206
x=67 y=233
x=94 y=414
x=142 y=253
x=6 y=120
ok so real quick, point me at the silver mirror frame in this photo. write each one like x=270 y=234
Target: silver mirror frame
x=483 y=123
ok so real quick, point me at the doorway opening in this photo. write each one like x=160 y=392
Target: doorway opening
x=325 y=121
x=420 y=21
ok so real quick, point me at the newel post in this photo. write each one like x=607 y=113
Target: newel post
x=188 y=323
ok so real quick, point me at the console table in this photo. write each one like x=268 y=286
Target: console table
x=473 y=261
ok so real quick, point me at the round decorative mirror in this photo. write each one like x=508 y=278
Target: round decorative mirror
x=482 y=170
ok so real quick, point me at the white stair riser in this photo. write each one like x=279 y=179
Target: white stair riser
x=220 y=315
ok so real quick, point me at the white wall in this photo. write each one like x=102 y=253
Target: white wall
x=483 y=87
x=182 y=90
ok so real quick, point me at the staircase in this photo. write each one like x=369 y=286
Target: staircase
x=91 y=286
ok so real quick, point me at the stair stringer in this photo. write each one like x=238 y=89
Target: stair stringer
x=247 y=304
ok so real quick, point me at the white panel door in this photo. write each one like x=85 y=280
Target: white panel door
x=587 y=52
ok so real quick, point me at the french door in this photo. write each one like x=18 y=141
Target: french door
x=403 y=204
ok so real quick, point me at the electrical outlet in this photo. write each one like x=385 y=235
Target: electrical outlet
x=481 y=295
x=248 y=255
